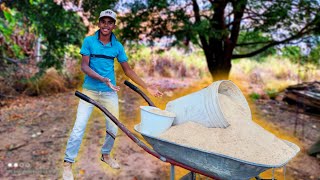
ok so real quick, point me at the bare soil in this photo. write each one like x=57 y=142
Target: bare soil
x=34 y=132
x=301 y=127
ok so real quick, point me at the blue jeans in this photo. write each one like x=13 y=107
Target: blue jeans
x=107 y=99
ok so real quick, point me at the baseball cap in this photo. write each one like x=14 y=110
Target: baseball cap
x=108 y=13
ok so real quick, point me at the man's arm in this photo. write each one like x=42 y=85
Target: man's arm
x=86 y=69
x=134 y=77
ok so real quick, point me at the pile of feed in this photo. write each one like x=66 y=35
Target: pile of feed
x=243 y=139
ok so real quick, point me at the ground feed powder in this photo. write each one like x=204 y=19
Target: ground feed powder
x=243 y=139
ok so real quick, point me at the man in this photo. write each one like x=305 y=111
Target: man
x=98 y=53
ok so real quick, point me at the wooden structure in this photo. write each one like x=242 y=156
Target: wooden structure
x=305 y=94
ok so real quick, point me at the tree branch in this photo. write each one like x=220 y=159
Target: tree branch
x=238 y=14
x=196 y=11
x=13 y=61
x=274 y=43
x=302 y=32
x=253 y=43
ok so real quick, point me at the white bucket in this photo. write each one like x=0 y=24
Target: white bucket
x=155 y=121
x=204 y=107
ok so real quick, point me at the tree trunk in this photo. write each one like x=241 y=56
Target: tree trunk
x=218 y=48
x=217 y=51
x=219 y=65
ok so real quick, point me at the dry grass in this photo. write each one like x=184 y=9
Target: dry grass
x=273 y=75
x=173 y=63
x=72 y=73
x=51 y=82
x=168 y=67
x=263 y=78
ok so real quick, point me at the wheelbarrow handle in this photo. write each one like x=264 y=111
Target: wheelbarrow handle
x=136 y=89
x=119 y=124
x=134 y=138
x=83 y=96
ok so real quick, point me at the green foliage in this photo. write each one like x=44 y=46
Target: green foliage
x=139 y=53
x=96 y=6
x=157 y=4
x=155 y=20
x=72 y=51
x=252 y=27
x=172 y=63
x=17 y=51
x=273 y=75
x=57 y=27
x=247 y=37
x=254 y=96
x=292 y=52
x=272 y=93
x=314 y=56
x=8 y=25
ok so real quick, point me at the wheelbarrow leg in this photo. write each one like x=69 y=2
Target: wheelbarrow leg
x=259 y=178
x=172 y=173
x=189 y=176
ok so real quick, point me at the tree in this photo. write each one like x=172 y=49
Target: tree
x=292 y=52
x=215 y=25
x=314 y=56
x=53 y=23
x=15 y=38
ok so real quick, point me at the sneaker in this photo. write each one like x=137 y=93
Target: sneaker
x=67 y=171
x=111 y=162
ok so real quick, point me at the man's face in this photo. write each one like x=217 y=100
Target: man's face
x=106 y=25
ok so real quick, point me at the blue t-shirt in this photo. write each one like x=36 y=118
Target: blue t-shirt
x=104 y=67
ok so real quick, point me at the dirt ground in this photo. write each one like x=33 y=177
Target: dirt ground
x=300 y=127
x=34 y=132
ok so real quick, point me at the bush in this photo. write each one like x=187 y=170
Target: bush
x=255 y=96
x=272 y=93
x=292 y=52
x=50 y=82
x=72 y=69
x=172 y=63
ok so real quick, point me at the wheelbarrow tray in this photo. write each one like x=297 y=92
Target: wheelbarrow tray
x=215 y=164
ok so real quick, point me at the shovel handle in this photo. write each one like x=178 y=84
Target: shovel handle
x=136 y=89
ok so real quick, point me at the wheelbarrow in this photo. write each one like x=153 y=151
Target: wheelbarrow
x=209 y=164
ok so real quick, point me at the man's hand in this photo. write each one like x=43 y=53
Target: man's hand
x=107 y=81
x=154 y=91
